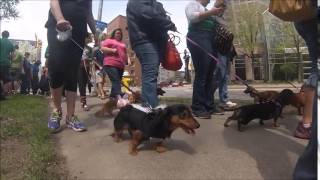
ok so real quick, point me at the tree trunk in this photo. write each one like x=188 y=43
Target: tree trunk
x=300 y=68
x=249 y=68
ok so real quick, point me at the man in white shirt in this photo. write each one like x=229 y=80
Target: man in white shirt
x=201 y=31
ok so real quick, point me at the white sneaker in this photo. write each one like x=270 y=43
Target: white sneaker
x=230 y=104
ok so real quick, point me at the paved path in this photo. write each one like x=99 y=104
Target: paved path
x=215 y=152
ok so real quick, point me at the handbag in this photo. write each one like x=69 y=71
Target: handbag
x=223 y=39
x=293 y=10
x=171 y=60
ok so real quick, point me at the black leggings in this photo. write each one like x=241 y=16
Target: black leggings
x=64 y=57
x=83 y=80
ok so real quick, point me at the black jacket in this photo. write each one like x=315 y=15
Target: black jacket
x=147 y=22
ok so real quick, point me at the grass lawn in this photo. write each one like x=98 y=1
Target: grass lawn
x=27 y=148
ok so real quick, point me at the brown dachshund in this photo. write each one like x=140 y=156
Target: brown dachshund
x=157 y=123
x=260 y=97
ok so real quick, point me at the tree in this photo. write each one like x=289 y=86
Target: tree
x=8 y=9
x=294 y=40
x=247 y=23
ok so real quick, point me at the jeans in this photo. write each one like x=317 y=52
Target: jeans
x=204 y=66
x=115 y=76
x=309 y=32
x=25 y=84
x=149 y=57
x=221 y=77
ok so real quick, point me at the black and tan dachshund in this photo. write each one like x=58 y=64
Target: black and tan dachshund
x=158 y=123
x=264 y=111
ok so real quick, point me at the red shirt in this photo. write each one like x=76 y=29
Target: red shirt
x=120 y=58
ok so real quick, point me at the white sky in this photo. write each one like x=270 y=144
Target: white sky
x=34 y=13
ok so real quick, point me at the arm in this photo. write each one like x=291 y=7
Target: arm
x=55 y=9
x=155 y=15
x=90 y=19
x=107 y=50
x=194 y=13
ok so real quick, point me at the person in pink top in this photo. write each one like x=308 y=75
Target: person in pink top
x=115 y=59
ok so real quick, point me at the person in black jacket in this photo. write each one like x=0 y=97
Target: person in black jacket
x=148 y=25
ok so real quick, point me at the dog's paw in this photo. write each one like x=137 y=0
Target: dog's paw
x=117 y=140
x=161 y=149
x=276 y=125
x=133 y=152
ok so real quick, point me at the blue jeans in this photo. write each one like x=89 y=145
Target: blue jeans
x=149 y=57
x=221 y=77
x=204 y=66
x=115 y=76
x=309 y=32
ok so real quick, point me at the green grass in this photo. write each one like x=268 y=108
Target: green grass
x=25 y=117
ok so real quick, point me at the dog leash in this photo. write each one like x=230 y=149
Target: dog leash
x=293 y=85
x=213 y=57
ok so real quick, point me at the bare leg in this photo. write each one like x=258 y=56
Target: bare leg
x=309 y=96
x=56 y=97
x=71 y=102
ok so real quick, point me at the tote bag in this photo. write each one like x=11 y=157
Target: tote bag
x=292 y=10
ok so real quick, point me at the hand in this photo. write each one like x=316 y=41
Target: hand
x=96 y=41
x=63 y=25
x=216 y=11
x=172 y=27
x=114 y=50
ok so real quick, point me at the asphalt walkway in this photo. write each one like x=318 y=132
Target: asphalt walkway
x=215 y=152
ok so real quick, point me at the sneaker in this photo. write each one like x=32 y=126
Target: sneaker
x=217 y=111
x=54 y=120
x=228 y=104
x=202 y=115
x=302 y=132
x=85 y=107
x=75 y=124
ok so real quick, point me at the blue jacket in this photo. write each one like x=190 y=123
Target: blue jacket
x=147 y=22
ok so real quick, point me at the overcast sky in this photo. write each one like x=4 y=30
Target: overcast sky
x=34 y=13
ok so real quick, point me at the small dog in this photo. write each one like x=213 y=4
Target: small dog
x=298 y=101
x=111 y=104
x=157 y=123
x=260 y=97
x=264 y=111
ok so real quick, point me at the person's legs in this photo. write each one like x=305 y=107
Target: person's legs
x=203 y=88
x=306 y=167
x=5 y=75
x=82 y=82
x=224 y=66
x=308 y=31
x=148 y=55
x=115 y=76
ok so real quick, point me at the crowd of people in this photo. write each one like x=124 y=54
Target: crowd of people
x=20 y=73
x=148 y=26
